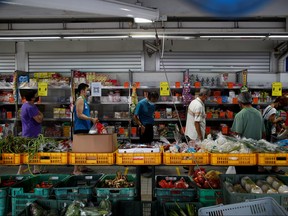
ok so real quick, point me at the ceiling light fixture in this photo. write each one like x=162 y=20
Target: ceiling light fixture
x=232 y=36
x=142 y=20
x=30 y=38
x=97 y=37
x=278 y=36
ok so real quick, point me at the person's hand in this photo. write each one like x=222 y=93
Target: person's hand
x=142 y=129
x=94 y=120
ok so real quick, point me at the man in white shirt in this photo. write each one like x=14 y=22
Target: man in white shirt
x=196 y=119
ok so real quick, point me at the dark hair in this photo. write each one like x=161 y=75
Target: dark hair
x=153 y=95
x=28 y=94
x=282 y=100
x=245 y=98
x=82 y=86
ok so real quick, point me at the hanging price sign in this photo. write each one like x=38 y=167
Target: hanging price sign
x=96 y=89
x=164 y=89
x=42 y=89
x=276 y=89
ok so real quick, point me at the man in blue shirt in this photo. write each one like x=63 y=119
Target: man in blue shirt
x=144 y=118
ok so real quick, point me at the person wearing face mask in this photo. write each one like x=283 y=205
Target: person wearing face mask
x=31 y=119
x=196 y=120
x=144 y=118
x=82 y=119
x=248 y=123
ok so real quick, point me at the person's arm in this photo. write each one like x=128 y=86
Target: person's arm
x=39 y=117
x=198 y=130
x=139 y=123
x=80 y=114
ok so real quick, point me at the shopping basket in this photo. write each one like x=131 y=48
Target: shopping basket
x=261 y=207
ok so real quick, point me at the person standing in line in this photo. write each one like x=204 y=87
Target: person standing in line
x=144 y=118
x=82 y=120
x=248 y=123
x=31 y=119
x=196 y=120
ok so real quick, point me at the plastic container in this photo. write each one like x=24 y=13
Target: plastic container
x=46 y=158
x=230 y=197
x=185 y=158
x=5 y=191
x=138 y=158
x=209 y=197
x=259 y=207
x=47 y=205
x=91 y=158
x=229 y=159
x=10 y=159
x=272 y=159
x=26 y=191
x=77 y=187
x=174 y=194
x=172 y=206
x=115 y=194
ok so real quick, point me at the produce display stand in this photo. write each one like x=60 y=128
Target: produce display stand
x=229 y=159
x=10 y=159
x=91 y=158
x=185 y=158
x=46 y=158
x=272 y=159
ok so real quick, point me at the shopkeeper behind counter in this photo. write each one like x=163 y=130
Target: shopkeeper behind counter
x=82 y=119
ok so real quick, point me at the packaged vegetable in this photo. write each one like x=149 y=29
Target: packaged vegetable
x=250 y=186
x=266 y=188
x=277 y=184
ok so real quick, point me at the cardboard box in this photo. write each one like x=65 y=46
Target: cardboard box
x=98 y=143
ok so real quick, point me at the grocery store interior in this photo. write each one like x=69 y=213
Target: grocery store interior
x=124 y=50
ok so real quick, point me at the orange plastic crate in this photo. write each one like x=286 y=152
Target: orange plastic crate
x=46 y=158
x=91 y=158
x=185 y=158
x=138 y=158
x=10 y=159
x=241 y=159
x=272 y=159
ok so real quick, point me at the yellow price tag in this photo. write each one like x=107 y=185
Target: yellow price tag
x=276 y=89
x=164 y=89
x=42 y=89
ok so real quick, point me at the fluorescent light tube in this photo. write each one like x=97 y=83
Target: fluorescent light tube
x=96 y=37
x=232 y=36
x=31 y=38
x=144 y=36
x=278 y=36
x=142 y=20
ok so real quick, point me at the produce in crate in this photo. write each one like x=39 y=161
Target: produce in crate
x=250 y=186
x=180 y=184
x=277 y=184
x=189 y=210
x=207 y=180
x=266 y=188
x=120 y=181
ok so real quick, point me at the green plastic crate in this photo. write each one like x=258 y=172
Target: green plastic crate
x=47 y=205
x=174 y=194
x=231 y=198
x=77 y=187
x=168 y=206
x=5 y=192
x=209 y=197
x=21 y=192
x=115 y=194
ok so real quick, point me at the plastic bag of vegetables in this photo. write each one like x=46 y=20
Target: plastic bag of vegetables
x=250 y=186
x=266 y=188
x=277 y=184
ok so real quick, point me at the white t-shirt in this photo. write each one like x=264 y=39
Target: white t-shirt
x=195 y=113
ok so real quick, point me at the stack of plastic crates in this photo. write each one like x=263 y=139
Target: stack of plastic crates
x=77 y=187
x=5 y=190
x=259 y=207
x=30 y=190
